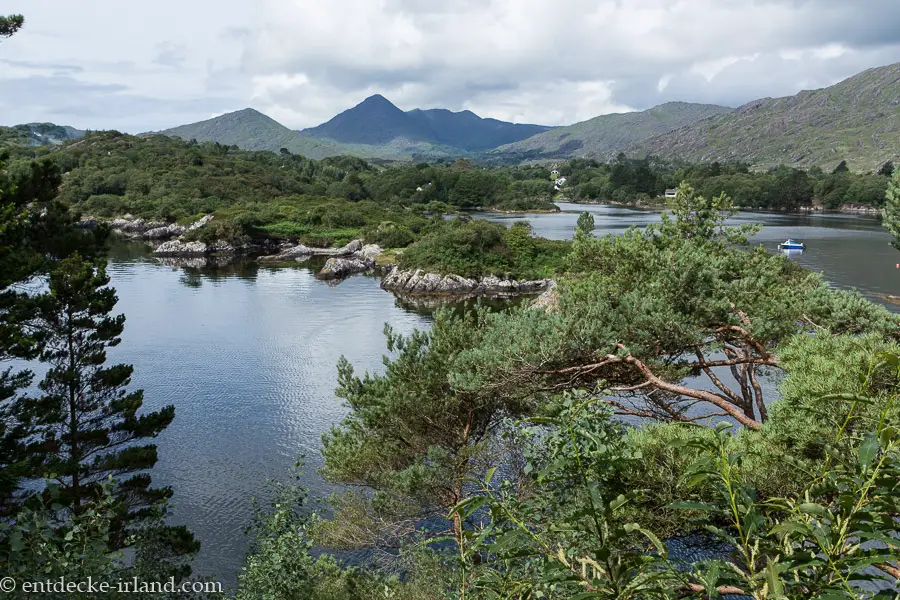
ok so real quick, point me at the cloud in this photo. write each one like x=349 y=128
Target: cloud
x=302 y=61
x=171 y=54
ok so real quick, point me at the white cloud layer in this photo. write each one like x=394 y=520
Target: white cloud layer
x=138 y=65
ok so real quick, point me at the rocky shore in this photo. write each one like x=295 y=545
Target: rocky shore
x=432 y=284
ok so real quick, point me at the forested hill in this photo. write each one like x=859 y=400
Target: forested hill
x=610 y=134
x=38 y=134
x=251 y=130
x=857 y=119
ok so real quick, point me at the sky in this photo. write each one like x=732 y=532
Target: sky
x=141 y=65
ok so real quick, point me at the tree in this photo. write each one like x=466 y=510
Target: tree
x=891 y=211
x=649 y=310
x=9 y=25
x=585 y=225
x=841 y=168
x=411 y=436
x=887 y=169
x=86 y=426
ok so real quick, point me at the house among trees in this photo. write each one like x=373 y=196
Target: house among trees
x=670 y=193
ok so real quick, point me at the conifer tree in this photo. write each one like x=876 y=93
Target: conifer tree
x=87 y=424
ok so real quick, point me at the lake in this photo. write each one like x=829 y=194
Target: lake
x=247 y=355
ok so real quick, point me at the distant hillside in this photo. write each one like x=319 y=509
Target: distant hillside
x=857 y=119
x=38 y=134
x=251 y=130
x=609 y=134
x=377 y=122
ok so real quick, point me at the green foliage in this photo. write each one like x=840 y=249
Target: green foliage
x=633 y=181
x=648 y=309
x=477 y=248
x=280 y=565
x=410 y=436
x=892 y=209
x=44 y=544
x=585 y=225
x=10 y=24
x=86 y=427
x=564 y=531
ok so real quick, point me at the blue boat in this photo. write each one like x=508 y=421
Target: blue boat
x=792 y=245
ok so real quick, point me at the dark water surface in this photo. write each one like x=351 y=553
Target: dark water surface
x=247 y=355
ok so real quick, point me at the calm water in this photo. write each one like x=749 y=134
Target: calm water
x=248 y=356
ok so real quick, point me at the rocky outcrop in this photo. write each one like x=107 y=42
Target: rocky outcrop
x=135 y=227
x=549 y=300
x=181 y=248
x=298 y=251
x=338 y=268
x=155 y=230
x=420 y=283
x=200 y=222
x=369 y=252
x=87 y=223
x=164 y=233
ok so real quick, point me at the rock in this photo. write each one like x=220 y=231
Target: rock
x=351 y=248
x=220 y=247
x=136 y=227
x=181 y=248
x=411 y=283
x=87 y=223
x=162 y=233
x=300 y=250
x=549 y=300
x=369 y=252
x=290 y=253
x=338 y=268
x=200 y=222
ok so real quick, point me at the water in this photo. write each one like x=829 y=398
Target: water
x=247 y=355
x=853 y=251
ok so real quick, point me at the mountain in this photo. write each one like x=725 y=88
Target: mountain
x=609 y=134
x=377 y=122
x=857 y=119
x=251 y=130
x=38 y=134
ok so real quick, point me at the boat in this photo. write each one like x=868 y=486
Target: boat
x=792 y=245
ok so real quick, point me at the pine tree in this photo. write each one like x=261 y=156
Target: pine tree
x=86 y=424
x=892 y=209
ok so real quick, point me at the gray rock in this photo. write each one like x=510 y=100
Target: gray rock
x=338 y=268
x=136 y=227
x=220 y=247
x=417 y=282
x=352 y=247
x=162 y=233
x=292 y=253
x=549 y=300
x=87 y=223
x=181 y=248
x=200 y=222
x=369 y=252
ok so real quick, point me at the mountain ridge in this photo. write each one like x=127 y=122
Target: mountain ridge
x=611 y=133
x=377 y=121
x=856 y=119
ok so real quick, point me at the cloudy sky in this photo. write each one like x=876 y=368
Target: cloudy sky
x=141 y=65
